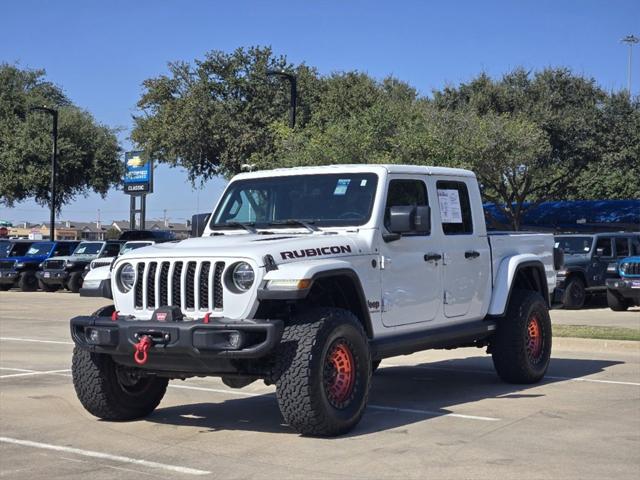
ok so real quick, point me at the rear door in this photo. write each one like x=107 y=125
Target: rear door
x=467 y=259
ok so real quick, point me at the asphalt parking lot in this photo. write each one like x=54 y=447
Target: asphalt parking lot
x=438 y=414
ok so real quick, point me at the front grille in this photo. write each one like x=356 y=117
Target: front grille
x=192 y=285
x=632 y=268
x=54 y=265
x=7 y=265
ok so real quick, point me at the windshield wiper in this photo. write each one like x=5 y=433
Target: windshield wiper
x=247 y=226
x=295 y=222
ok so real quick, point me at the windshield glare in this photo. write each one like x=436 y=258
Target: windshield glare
x=88 y=248
x=39 y=249
x=574 y=245
x=324 y=200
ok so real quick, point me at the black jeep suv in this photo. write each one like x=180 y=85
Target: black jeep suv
x=587 y=261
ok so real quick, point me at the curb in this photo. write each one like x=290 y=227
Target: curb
x=596 y=345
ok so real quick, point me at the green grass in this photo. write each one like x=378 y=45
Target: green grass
x=603 y=333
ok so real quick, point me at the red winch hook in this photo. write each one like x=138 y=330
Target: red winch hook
x=142 y=349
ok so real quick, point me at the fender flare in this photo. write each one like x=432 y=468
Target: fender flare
x=507 y=273
x=315 y=270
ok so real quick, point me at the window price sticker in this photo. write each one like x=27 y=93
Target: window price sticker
x=450 y=210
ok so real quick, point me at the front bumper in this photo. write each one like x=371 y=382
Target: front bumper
x=625 y=287
x=53 y=277
x=102 y=290
x=184 y=346
x=9 y=277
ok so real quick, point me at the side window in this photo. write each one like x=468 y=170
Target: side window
x=605 y=245
x=635 y=246
x=405 y=193
x=111 y=250
x=455 y=208
x=622 y=247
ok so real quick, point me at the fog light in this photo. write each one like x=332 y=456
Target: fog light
x=235 y=340
x=93 y=335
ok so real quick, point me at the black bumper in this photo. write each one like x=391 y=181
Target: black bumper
x=53 y=277
x=628 y=288
x=9 y=277
x=189 y=346
x=104 y=290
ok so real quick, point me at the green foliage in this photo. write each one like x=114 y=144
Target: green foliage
x=88 y=153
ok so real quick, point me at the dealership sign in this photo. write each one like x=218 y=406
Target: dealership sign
x=138 y=174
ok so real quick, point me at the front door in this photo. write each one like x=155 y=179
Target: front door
x=411 y=283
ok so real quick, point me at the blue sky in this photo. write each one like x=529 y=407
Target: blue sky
x=100 y=52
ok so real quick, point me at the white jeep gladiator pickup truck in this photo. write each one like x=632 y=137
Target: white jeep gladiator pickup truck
x=306 y=278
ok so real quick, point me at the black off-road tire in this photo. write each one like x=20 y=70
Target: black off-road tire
x=47 y=288
x=616 y=303
x=303 y=372
x=75 y=282
x=4 y=288
x=514 y=358
x=103 y=394
x=28 y=282
x=374 y=365
x=575 y=293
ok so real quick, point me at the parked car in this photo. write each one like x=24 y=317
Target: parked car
x=586 y=263
x=21 y=270
x=306 y=278
x=67 y=271
x=97 y=280
x=624 y=292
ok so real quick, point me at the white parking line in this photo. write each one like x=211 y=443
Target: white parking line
x=34 y=372
x=430 y=413
x=105 y=456
x=487 y=372
x=33 y=340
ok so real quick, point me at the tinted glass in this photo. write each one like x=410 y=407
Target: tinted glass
x=455 y=208
x=326 y=200
x=405 y=193
x=88 y=248
x=574 y=245
x=605 y=245
x=4 y=248
x=622 y=247
x=20 y=249
x=39 y=248
x=112 y=250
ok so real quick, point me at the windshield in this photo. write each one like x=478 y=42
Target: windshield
x=88 y=248
x=325 y=200
x=4 y=249
x=574 y=245
x=20 y=249
x=133 y=245
x=39 y=249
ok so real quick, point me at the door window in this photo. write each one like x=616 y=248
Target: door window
x=112 y=250
x=405 y=193
x=622 y=247
x=455 y=208
x=604 y=244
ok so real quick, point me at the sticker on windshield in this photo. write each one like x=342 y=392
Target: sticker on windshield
x=80 y=251
x=341 y=186
x=363 y=182
x=450 y=210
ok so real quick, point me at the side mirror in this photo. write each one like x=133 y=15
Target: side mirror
x=401 y=219
x=198 y=224
x=407 y=219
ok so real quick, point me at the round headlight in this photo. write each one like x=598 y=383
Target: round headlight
x=126 y=277
x=243 y=276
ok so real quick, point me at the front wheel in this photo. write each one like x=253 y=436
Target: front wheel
x=616 y=303
x=521 y=346
x=111 y=391
x=323 y=373
x=75 y=282
x=575 y=293
x=28 y=282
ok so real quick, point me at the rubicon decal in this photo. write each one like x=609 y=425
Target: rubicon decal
x=316 y=252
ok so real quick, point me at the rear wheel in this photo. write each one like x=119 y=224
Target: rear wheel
x=575 y=293
x=111 y=391
x=28 y=282
x=47 y=288
x=75 y=282
x=521 y=346
x=616 y=303
x=323 y=372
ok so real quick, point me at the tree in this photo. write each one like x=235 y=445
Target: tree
x=88 y=152
x=220 y=112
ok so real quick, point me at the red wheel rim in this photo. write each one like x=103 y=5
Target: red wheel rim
x=534 y=338
x=339 y=374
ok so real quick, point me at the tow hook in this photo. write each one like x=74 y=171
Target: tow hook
x=142 y=350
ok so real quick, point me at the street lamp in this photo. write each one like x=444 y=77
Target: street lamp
x=54 y=153
x=630 y=40
x=291 y=78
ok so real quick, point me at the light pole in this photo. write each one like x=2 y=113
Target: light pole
x=291 y=78
x=54 y=153
x=630 y=40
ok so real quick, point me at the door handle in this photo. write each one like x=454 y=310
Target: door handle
x=471 y=254
x=432 y=257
